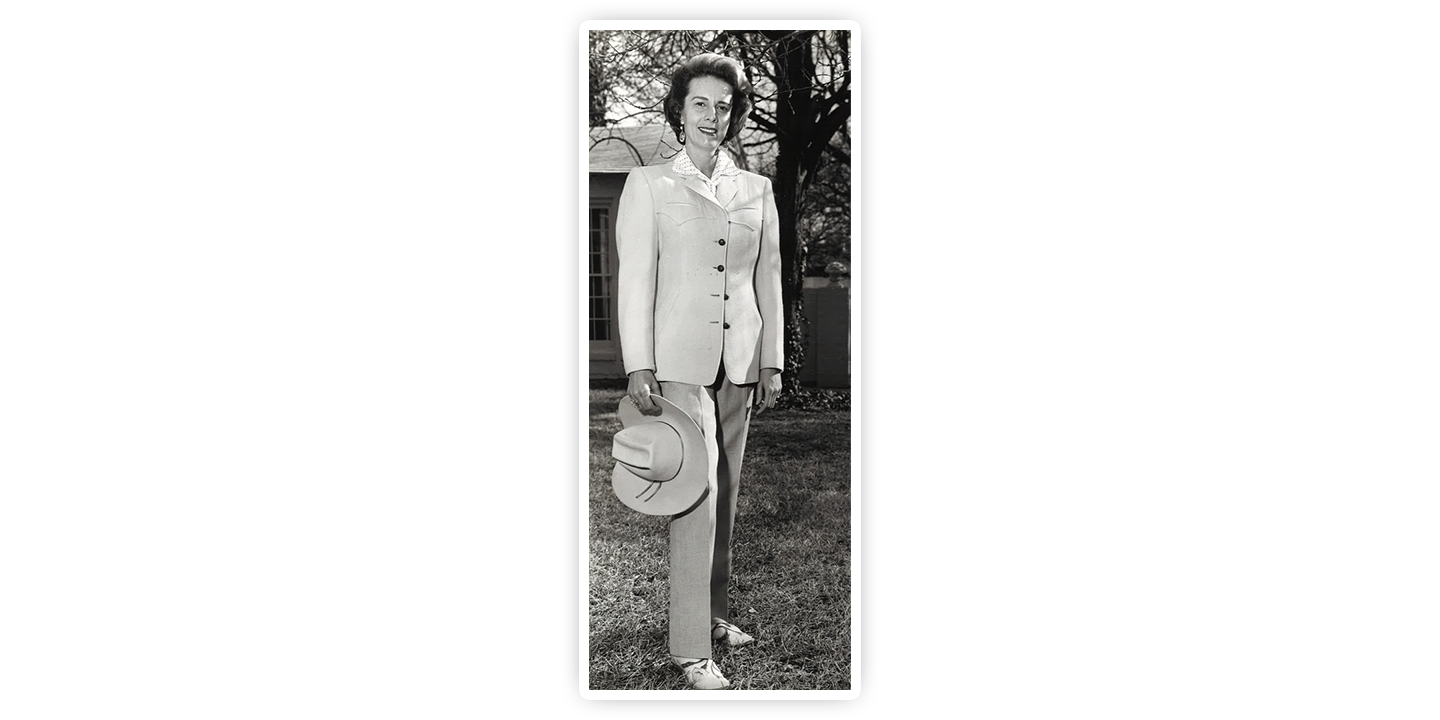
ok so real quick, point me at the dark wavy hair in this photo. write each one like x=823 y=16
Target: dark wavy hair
x=721 y=68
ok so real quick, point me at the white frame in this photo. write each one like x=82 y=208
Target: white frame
x=582 y=413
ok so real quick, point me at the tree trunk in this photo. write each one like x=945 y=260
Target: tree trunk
x=792 y=106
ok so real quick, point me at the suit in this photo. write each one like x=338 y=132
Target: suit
x=699 y=304
x=699 y=276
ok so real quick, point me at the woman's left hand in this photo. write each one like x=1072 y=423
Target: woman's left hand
x=767 y=391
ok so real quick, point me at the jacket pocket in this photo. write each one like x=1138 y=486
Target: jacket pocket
x=681 y=213
x=747 y=217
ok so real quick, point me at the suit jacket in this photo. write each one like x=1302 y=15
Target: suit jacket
x=699 y=276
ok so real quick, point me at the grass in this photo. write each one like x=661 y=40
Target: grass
x=791 y=583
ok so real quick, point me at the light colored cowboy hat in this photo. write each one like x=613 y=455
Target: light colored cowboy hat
x=661 y=466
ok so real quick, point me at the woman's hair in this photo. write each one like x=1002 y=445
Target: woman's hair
x=720 y=68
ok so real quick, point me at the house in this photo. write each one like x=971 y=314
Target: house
x=613 y=153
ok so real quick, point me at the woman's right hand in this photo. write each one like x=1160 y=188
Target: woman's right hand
x=642 y=385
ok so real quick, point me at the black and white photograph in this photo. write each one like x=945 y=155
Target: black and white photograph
x=1023 y=360
x=719 y=265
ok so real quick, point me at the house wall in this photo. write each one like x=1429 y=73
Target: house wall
x=605 y=359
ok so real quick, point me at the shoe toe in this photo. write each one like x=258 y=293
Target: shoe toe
x=729 y=634
x=702 y=674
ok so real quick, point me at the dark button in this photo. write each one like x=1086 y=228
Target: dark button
x=727 y=297
x=721 y=268
x=727 y=326
x=721 y=241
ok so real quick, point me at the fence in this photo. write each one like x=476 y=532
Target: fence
x=827 y=345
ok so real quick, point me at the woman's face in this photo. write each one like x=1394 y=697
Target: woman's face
x=706 y=114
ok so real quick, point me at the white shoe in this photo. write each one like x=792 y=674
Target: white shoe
x=733 y=636
x=701 y=673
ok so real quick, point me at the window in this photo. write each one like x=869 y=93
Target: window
x=601 y=278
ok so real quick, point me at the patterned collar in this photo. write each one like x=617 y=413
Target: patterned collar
x=724 y=166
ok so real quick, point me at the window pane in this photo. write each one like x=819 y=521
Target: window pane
x=599 y=267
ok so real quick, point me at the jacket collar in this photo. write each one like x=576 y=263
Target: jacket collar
x=720 y=188
x=685 y=167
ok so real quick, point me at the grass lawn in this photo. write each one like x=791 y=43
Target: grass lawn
x=791 y=583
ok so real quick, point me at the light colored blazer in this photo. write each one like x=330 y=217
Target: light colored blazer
x=699 y=276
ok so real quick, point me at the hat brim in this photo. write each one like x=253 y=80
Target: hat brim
x=680 y=493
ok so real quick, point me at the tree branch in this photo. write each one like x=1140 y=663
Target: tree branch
x=764 y=123
x=831 y=123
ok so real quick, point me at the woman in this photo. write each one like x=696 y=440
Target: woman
x=700 y=324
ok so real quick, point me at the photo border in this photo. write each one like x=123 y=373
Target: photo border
x=856 y=365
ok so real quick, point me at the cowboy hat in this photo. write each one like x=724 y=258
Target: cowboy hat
x=661 y=465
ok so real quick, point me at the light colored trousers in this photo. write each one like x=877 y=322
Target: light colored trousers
x=700 y=539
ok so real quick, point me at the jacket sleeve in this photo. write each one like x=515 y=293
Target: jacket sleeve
x=767 y=287
x=639 y=252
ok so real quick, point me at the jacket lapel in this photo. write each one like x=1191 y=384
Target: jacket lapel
x=701 y=189
x=726 y=189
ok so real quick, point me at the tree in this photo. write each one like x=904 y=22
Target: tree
x=799 y=128
x=824 y=216
x=809 y=72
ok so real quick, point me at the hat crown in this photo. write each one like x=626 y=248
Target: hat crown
x=662 y=460
x=653 y=451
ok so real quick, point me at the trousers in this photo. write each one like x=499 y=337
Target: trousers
x=701 y=552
